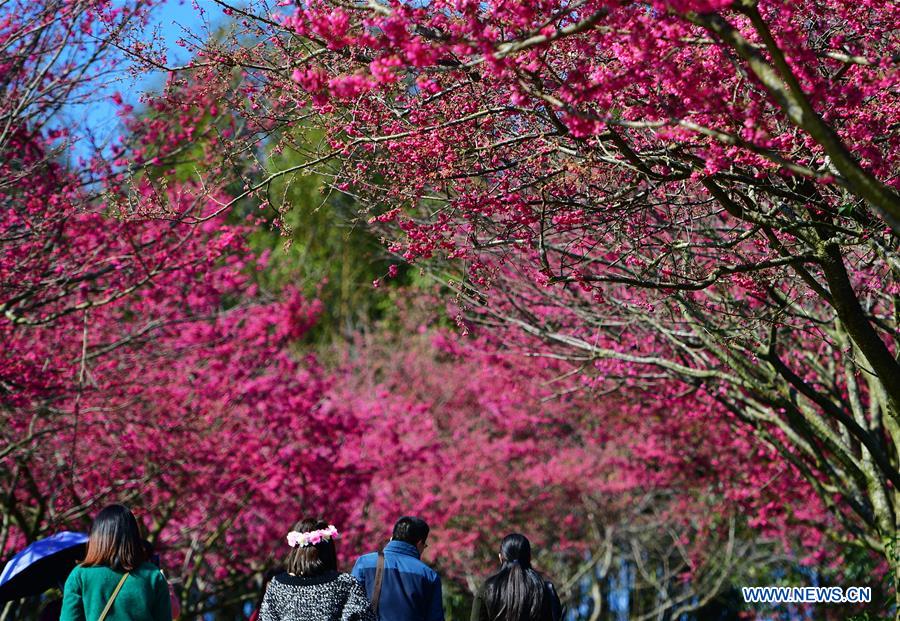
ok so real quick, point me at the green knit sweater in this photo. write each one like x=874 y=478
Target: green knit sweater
x=144 y=595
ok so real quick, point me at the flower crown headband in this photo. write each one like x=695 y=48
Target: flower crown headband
x=305 y=540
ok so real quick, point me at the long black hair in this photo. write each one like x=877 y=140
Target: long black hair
x=516 y=592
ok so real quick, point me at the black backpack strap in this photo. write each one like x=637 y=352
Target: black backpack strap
x=379 y=579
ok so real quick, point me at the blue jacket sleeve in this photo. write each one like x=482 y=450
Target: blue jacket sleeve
x=357 y=573
x=435 y=610
x=72 y=605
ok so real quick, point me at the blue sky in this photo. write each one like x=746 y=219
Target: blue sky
x=170 y=21
x=175 y=18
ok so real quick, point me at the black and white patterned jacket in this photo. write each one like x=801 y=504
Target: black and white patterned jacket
x=331 y=596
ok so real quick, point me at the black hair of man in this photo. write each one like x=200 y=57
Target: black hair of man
x=410 y=529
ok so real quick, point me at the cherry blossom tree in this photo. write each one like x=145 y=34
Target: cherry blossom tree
x=701 y=190
x=670 y=228
x=595 y=478
x=140 y=361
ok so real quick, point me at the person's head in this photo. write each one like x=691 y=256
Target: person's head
x=312 y=548
x=516 y=591
x=115 y=540
x=516 y=548
x=411 y=530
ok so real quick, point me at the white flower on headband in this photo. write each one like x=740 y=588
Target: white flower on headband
x=313 y=537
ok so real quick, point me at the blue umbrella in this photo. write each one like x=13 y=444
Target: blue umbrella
x=42 y=565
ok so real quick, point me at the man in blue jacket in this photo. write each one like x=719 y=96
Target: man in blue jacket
x=400 y=586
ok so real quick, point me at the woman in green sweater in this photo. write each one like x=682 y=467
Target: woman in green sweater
x=116 y=582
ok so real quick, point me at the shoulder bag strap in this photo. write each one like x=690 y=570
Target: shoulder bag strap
x=112 y=598
x=379 y=578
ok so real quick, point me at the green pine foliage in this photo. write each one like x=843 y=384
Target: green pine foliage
x=317 y=241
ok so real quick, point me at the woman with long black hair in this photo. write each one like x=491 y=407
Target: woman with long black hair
x=116 y=581
x=516 y=592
